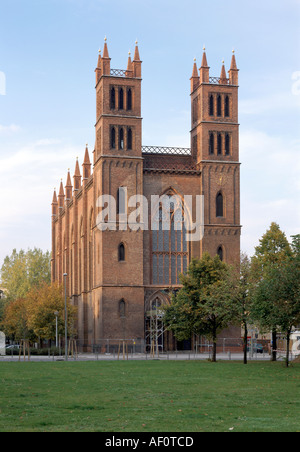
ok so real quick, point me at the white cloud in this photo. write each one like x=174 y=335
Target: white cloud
x=27 y=179
x=12 y=128
x=270 y=188
x=277 y=103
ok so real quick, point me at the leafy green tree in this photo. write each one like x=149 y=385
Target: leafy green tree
x=278 y=298
x=242 y=296
x=272 y=251
x=296 y=246
x=204 y=305
x=3 y=303
x=15 y=320
x=42 y=302
x=23 y=270
x=33 y=317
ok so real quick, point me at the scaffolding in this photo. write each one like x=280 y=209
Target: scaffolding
x=154 y=329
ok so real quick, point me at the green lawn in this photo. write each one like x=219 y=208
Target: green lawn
x=149 y=396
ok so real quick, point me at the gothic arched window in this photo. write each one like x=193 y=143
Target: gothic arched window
x=219 y=106
x=121 y=138
x=121 y=201
x=121 y=99
x=227 y=106
x=129 y=139
x=122 y=308
x=219 y=144
x=121 y=252
x=211 y=105
x=220 y=253
x=219 y=205
x=211 y=143
x=112 y=99
x=129 y=99
x=227 y=144
x=169 y=246
x=113 y=138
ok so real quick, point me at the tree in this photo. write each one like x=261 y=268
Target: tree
x=42 y=302
x=281 y=289
x=204 y=305
x=273 y=250
x=15 y=320
x=33 y=317
x=23 y=270
x=243 y=296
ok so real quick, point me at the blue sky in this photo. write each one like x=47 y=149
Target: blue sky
x=48 y=52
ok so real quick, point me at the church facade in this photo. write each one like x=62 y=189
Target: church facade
x=118 y=275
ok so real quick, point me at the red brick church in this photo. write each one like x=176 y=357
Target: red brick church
x=117 y=277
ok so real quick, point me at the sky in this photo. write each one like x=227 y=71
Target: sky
x=48 y=53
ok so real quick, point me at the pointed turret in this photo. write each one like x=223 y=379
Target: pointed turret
x=77 y=178
x=137 y=64
x=86 y=166
x=223 y=78
x=98 y=69
x=69 y=187
x=105 y=60
x=136 y=52
x=204 y=70
x=105 y=51
x=54 y=204
x=195 y=77
x=204 y=59
x=129 y=71
x=61 y=196
x=234 y=71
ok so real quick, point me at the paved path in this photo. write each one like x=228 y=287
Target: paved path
x=142 y=357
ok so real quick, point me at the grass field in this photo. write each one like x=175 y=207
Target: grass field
x=150 y=396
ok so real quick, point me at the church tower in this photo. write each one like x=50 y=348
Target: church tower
x=118 y=172
x=215 y=148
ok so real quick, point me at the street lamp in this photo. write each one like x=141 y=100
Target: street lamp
x=66 y=318
x=56 y=335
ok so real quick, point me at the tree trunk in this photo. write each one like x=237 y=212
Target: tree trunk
x=274 y=347
x=214 y=355
x=245 y=342
x=288 y=335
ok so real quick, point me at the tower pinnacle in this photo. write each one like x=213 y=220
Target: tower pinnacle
x=233 y=72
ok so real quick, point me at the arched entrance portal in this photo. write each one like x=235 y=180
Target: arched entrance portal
x=157 y=338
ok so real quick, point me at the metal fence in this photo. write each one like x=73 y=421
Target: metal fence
x=137 y=349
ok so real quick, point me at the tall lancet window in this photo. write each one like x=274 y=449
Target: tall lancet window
x=122 y=309
x=211 y=105
x=220 y=253
x=121 y=201
x=121 y=99
x=129 y=100
x=211 y=143
x=169 y=246
x=129 y=139
x=112 y=99
x=219 y=106
x=219 y=205
x=121 y=252
x=113 y=138
x=227 y=114
x=121 y=138
x=219 y=144
x=227 y=144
